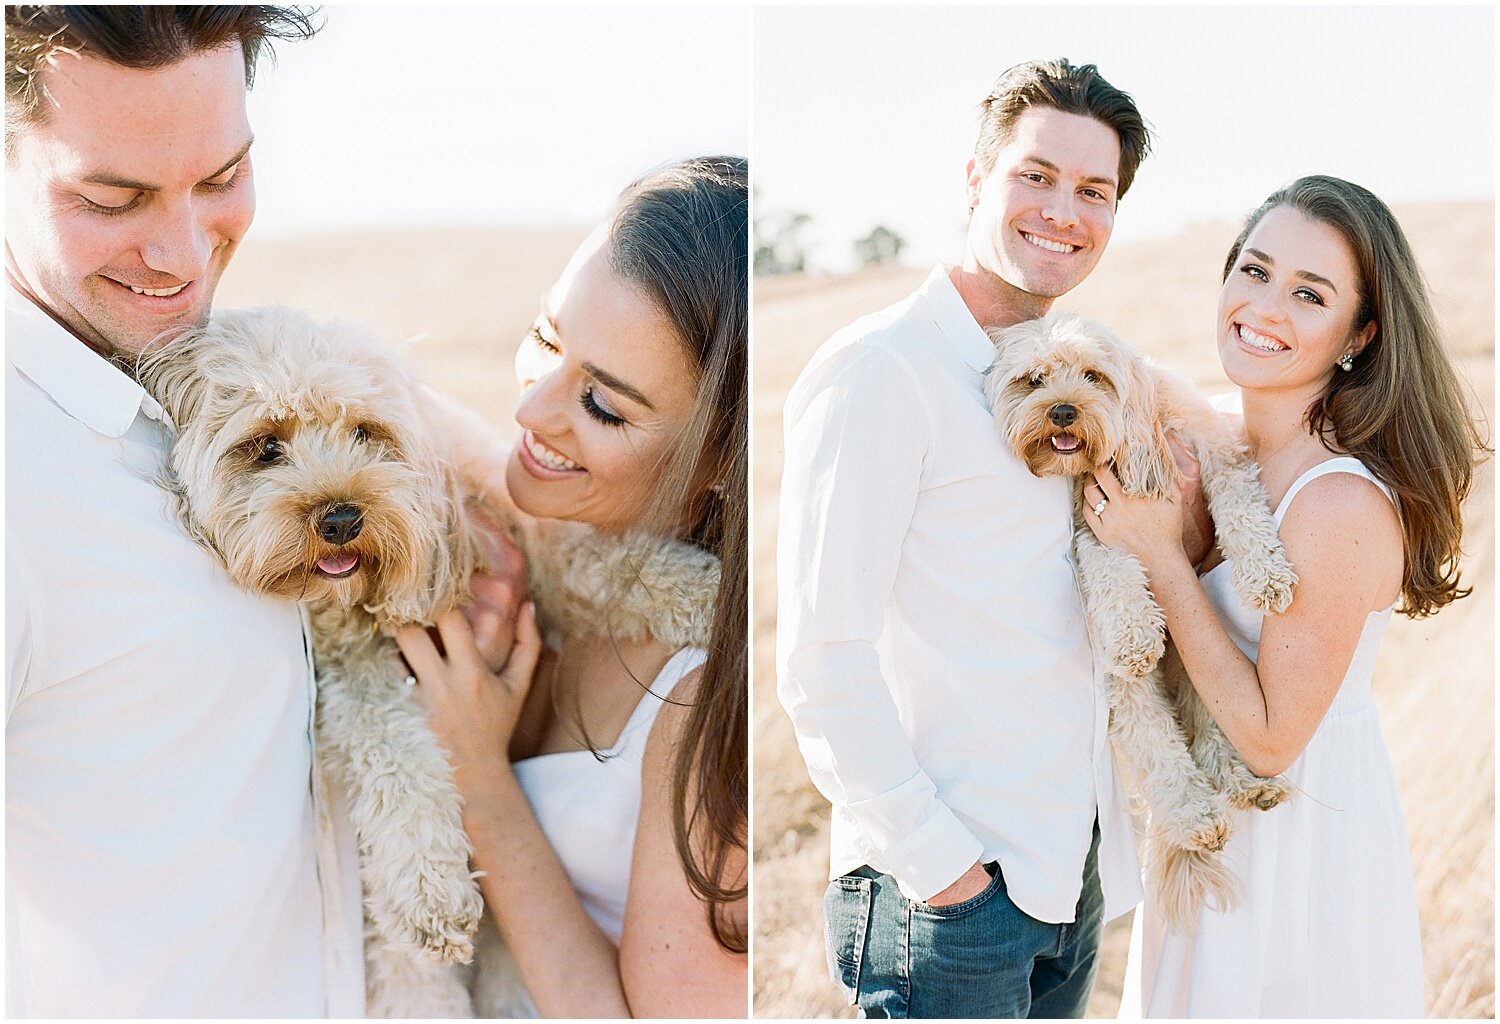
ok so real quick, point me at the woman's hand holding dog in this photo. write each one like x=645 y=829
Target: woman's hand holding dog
x=1150 y=529
x=472 y=707
x=1197 y=526
x=496 y=596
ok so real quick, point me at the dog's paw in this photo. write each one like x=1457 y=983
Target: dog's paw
x=452 y=948
x=443 y=934
x=1134 y=653
x=430 y=907
x=1266 y=584
x=1199 y=821
x=1263 y=794
x=1211 y=835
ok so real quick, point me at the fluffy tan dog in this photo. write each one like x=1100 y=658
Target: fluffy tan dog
x=311 y=462
x=1069 y=396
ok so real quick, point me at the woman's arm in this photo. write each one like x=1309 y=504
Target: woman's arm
x=1345 y=541
x=569 y=966
x=670 y=963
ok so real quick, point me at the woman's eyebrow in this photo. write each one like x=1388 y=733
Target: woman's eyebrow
x=1306 y=275
x=597 y=372
x=614 y=383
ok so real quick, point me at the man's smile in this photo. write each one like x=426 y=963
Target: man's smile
x=157 y=291
x=1050 y=245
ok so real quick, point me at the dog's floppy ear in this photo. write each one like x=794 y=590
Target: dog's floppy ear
x=476 y=453
x=455 y=556
x=171 y=374
x=446 y=553
x=994 y=377
x=1144 y=463
x=1015 y=346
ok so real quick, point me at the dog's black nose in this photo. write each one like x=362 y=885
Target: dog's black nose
x=1062 y=415
x=341 y=524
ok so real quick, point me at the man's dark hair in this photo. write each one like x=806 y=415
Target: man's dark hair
x=136 y=36
x=1058 y=84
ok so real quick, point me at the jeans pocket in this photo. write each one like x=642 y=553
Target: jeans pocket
x=974 y=902
x=976 y=958
x=846 y=911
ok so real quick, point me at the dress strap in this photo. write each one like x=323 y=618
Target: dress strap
x=1337 y=464
x=677 y=666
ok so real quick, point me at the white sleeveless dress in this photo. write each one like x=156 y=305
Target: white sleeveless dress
x=588 y=807
x=1327 y=925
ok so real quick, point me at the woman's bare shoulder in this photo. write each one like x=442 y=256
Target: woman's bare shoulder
x=1341 y=528
x=672 y=721
x=1344 y=501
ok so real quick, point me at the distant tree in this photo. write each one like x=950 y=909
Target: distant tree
x=779 y=248
x=881 y=245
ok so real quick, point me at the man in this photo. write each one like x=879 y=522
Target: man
x=932 y=647
x=165 y=853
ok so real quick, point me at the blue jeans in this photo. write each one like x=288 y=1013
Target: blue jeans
x=984 y=957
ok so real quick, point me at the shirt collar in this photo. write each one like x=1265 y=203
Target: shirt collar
x=83 y=383
x=953 y=318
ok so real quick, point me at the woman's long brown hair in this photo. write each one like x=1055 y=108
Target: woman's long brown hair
x=681 y=233
x=1401 y=409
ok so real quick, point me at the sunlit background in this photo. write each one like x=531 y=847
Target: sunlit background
x=865 y=117
x=438 y=116
x=428 y=170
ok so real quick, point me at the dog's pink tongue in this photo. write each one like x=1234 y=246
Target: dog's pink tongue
x=335 y=564
x=1065 y=442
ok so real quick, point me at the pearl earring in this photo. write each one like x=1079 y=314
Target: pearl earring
x=1346 y=361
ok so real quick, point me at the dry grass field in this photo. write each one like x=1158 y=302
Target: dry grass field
x=1435 y=684
x=467 y=296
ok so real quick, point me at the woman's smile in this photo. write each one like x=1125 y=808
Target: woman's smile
x=545 y=461
x=1258 y=342
x=606 y=387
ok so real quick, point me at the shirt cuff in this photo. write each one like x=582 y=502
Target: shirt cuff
x=932 y=858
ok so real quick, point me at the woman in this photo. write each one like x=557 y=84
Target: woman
x=1354 y=415
x=609 y=821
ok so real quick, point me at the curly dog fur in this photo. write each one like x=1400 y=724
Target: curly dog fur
x=1069 y=396
x=312 y=463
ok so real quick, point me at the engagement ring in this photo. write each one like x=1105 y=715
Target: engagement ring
x=1099 y=508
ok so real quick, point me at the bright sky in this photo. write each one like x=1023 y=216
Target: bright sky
x=430 y=116
x=867 y=116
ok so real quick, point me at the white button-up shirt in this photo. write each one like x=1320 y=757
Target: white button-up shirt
x=165 y=855
x=932 y=648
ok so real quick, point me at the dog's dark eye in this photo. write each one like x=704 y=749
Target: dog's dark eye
x=271 y=450
x=1036 y=380
x=361 y=434
x=1091 y=376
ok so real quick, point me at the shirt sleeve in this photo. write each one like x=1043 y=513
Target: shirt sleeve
x=857 y=437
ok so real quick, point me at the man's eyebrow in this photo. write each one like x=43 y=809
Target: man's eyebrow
x=1097 y=179
x=114 y=181
x=1306 y=275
